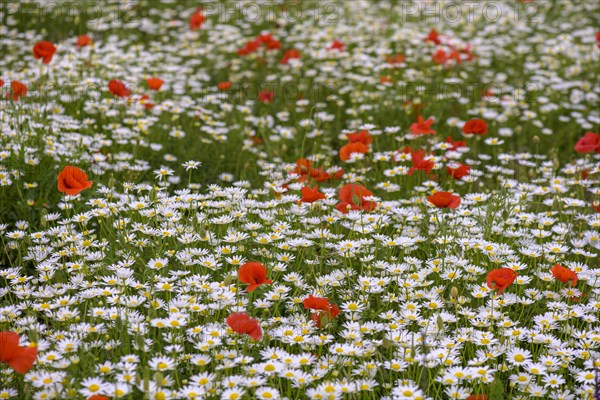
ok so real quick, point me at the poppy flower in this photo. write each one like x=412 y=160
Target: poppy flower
x=353 y=147
x=433 y=37
x=44 y=50
x=459 y=172
x=83 y=40
x=454 y=55
x=319 y=175
x=444 y=200
x=316 y=303
x=328 y=310
x=310 y=195
x=410 y=150
x=321 y=304
x=253 y=274
x=363 y=137
x=72 y=180
x=98 y=397
x=477 y=397
x=224 y=85
x=475 y=127
x=440 y=56
x=269 y=41
x=596 y=208
x=395 y=59
x=501 y=278
x=266 y=96
x=305 y=170
x=19 y=89
x=564 y=275
x=118 y=88
x=422 y=127
x=288 y=55
x=303 y=166
x=1 y=83
x=144 y=99
x=352 y=196
x=241 y=323
x=249 y=47
x=420 y=163
x=455 y=144
x=590 y=142
x=154 y=83
x=467 y=52
x=19 y=358
x=385 y=79
x=337 y=45
x=196 y=20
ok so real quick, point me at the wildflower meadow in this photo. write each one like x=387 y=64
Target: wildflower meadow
x=285 y=199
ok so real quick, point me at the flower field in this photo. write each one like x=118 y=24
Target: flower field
x=300 y=200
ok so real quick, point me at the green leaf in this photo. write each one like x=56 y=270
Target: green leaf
x=497 y=390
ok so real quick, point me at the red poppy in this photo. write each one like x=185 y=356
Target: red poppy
x=477 y=397
x=422 y=127
x=337 y=45
x=501 y=278
x=363 y=137
x=590 y=142
x=596 y=207
x=319 y=175
x=253 y=274
x=475 y=127
x=19 y=89
x=249 y=47
x=118 y=88
x=419 y=163
x=564 y=275
x=266 y=96
x=488 y=92
x=440 y=56
x=598 y=38
x=72 y=180
x=328 y=310
x=196 y=20
x=316 y=303
x=409 y=150
x=454 y=55
x=352 y=197
x=455 y=144
x=352 y=147
x=433 y=36
x=154 y=83
x=305 y=170
x=83 y=40
x=303 y=166
x=585 y=173
x=98 y=397
x=310 y=195
x=395 y=59
x=288 y=55
x=224 y=85
x=444 y=200
x=467 y=52
x=269 y=41
x=241 y=323
x=144 y=99
x=459 y=172
x=44 y=50
x=1 y=83
x=19 y=358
